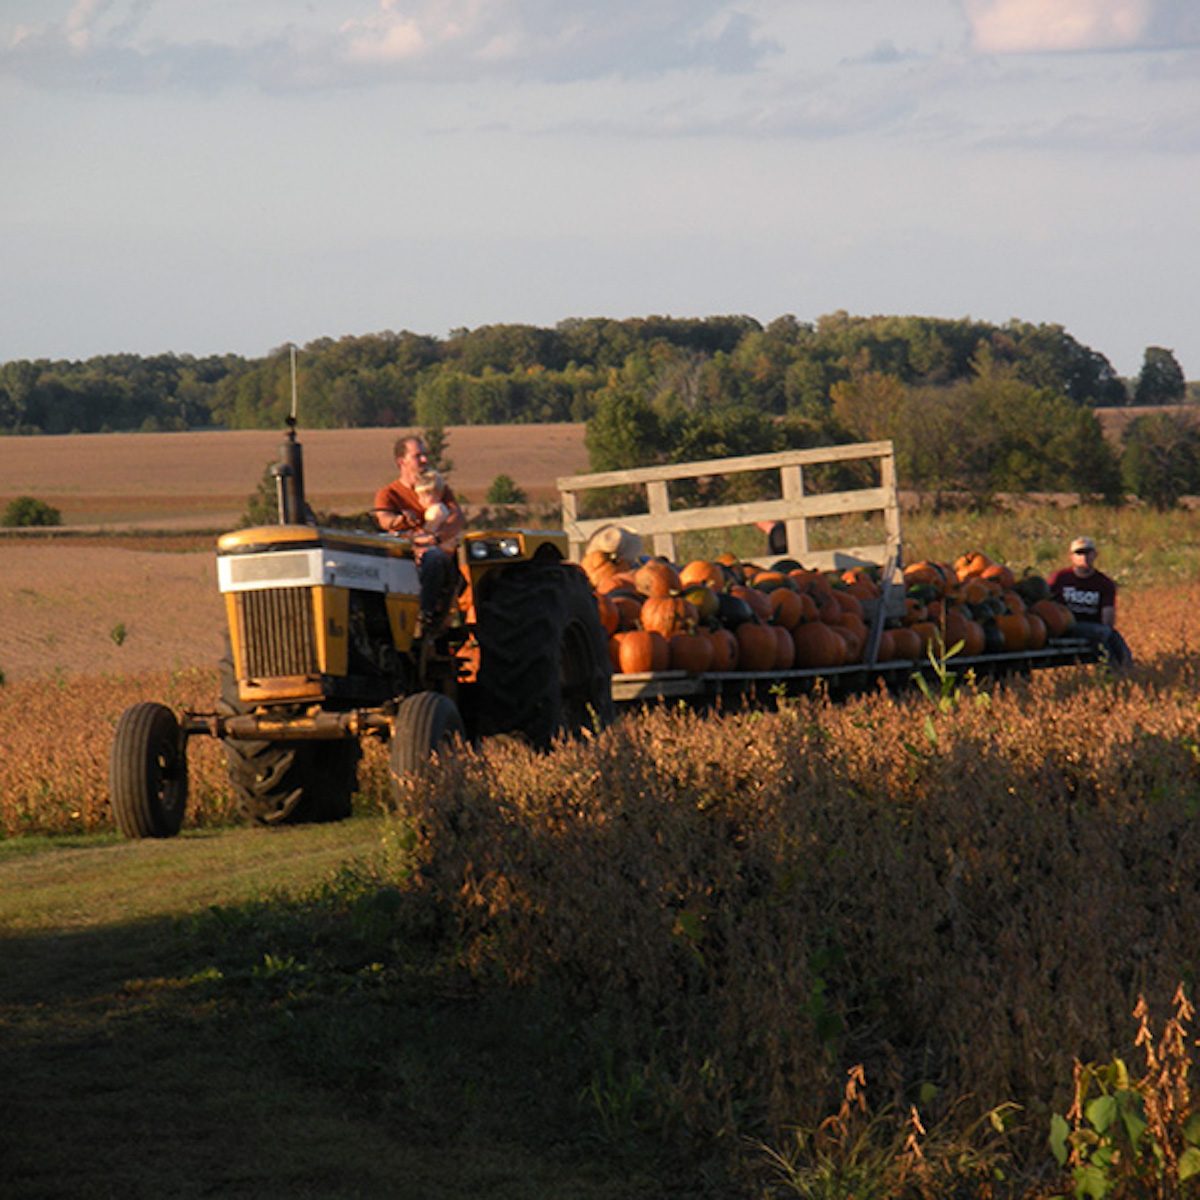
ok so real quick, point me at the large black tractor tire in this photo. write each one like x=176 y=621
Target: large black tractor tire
x=291 y=782
x=544 y=668
x=147 y=773
x=426 y=722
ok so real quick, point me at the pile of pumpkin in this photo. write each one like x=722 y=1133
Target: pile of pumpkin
x=726 y=615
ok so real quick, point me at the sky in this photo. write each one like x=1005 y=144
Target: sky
x=211 y=176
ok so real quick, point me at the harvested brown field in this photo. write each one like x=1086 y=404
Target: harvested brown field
x=75 y=609
x=203 y=479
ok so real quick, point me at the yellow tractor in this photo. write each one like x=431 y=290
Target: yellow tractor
x=322 y=652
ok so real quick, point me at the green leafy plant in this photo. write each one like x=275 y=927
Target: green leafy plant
x=118 y=633
x=1133 y=1138
x=621 y=1095
x=944 y=692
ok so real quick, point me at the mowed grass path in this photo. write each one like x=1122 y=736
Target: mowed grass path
x=190 y=1018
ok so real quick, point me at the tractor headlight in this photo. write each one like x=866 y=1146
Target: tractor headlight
x=503 y=547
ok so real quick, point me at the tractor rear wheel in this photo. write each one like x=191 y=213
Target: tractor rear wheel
x=147 y=772
x=544 y=668
x=425 y=723
x=288 y=782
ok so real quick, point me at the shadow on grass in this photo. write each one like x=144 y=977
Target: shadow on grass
x=315 y=1048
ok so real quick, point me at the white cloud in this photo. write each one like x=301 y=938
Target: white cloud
x=1022 y=26
x=108 y=43
x=1066 y=26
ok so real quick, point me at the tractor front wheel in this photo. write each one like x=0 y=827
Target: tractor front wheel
x=147 y=772
x=426 y=722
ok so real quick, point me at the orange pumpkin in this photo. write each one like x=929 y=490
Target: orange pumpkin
x=690 y=652
x=768 y=581
x=656 y=577
x=615 y=581
x=1037 y=631
x=974 y=591
x=954 y=628
x=669 y=615
x=1012 y=601
x=725 y=650
x=854 y=644
x=610 y=615
x=598 y=566
x=1058 y=617
x=855 y=624
x=926 y=572
x=1001 y=574
x=785 y=648
x=859 y=581
x=642 y=650
x=886 y=649
x=808 y=607
x=614 y=652
x=848 y=602
x=756 y=646
x=818 y=646
x=974 y=639
x=971 y=564
x=1014 y=628
x=629 y=610
x=926 y=631
x=787 y=607
x=809 y=581
x=700 y=571
x=907 y=642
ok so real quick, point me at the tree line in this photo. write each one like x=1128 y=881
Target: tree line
x=499 y=374
x=973 y=407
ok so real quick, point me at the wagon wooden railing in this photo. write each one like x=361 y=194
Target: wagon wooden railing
x=659 y=524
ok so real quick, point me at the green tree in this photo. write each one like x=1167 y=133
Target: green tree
x=870 y=405
x=504 y=490
x=1161 y=378
x=26 y=511
x=625 y=431
x=1161 y=461
x=437 y=443
x=262 y=507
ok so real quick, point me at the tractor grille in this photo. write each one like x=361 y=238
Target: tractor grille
x=277 y=632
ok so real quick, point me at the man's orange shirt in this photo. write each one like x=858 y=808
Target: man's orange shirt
x=399 y=498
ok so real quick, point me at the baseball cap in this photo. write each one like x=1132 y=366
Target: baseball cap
x=1082 y=543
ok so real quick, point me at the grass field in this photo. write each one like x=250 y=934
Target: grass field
x=216 y=1016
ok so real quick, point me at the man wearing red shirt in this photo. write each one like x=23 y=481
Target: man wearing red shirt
x=399 y=509
x=1092 y=597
